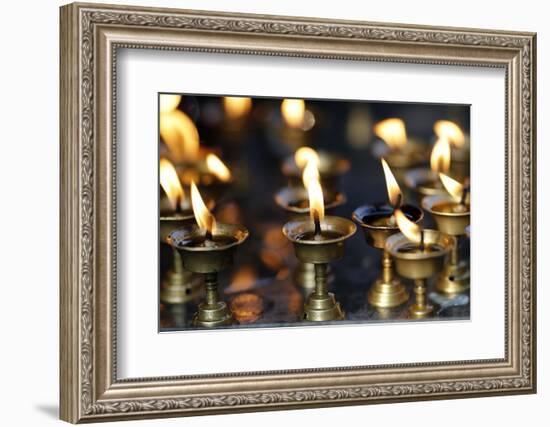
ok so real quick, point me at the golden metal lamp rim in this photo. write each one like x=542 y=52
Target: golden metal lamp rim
x=412 y=212
x=331 y=165
x=398 y=240
x=430 y=202
x=298 y=227
x=179 y=216
x=288 y=195
x=178 y=238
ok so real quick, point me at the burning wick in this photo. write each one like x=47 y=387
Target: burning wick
x=317 y=223
x=208 y=235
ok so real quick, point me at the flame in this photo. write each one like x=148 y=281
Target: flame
x=440 y=160
x=293 y=111
x=306 y=158
x=169 y=103
x=412 y=231
x=236 y=107
x=310 y=173
x=451 y=131
x=205 y=220
x=453 y=187
x=180 y=135
x=316 y=200
x=218 y=168
x=392 y=132
x=170 y=183
x=394 y=192
x=304 y=155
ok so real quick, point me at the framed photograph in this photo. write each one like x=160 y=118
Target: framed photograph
x=264 y=212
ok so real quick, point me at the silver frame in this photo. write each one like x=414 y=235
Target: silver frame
x=90 y=37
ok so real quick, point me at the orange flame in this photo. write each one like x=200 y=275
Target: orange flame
x=293 y=111
x=218 y=168
x=440 y=159
x=170 y=183
x=205 y=220
x=180 y=135
x=412 y=231
x=453 y=187
x=451 y=131
x=394 y=192
x=236 y=107
x=392 y=132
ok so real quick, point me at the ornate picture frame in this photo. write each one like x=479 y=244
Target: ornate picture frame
x=90 y=37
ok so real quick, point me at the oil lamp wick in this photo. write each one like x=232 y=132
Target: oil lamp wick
x=316 y=222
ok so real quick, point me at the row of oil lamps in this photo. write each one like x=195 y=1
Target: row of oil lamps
x=207 y=247
x=204 y=246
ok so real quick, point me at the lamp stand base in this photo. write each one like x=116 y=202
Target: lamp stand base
x=387 y=294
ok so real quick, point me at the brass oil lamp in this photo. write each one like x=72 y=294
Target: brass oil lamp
x=451 y=213
x=331 y=167
x=207 y=248
x=295 y=202
x=378 y=224
x=179 y=285
x=400 y=151
x=319 y=240
x=419 y=255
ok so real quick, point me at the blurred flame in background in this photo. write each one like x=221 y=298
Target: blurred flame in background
x=392 y=132
x=451 y=131
x=440 y=159
x=295 y=114
x=236 y=107
x=218 y=168
x=178 y=131
x=170 y=183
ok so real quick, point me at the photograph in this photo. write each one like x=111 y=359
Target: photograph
x=261 y=211
x=277 y=212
